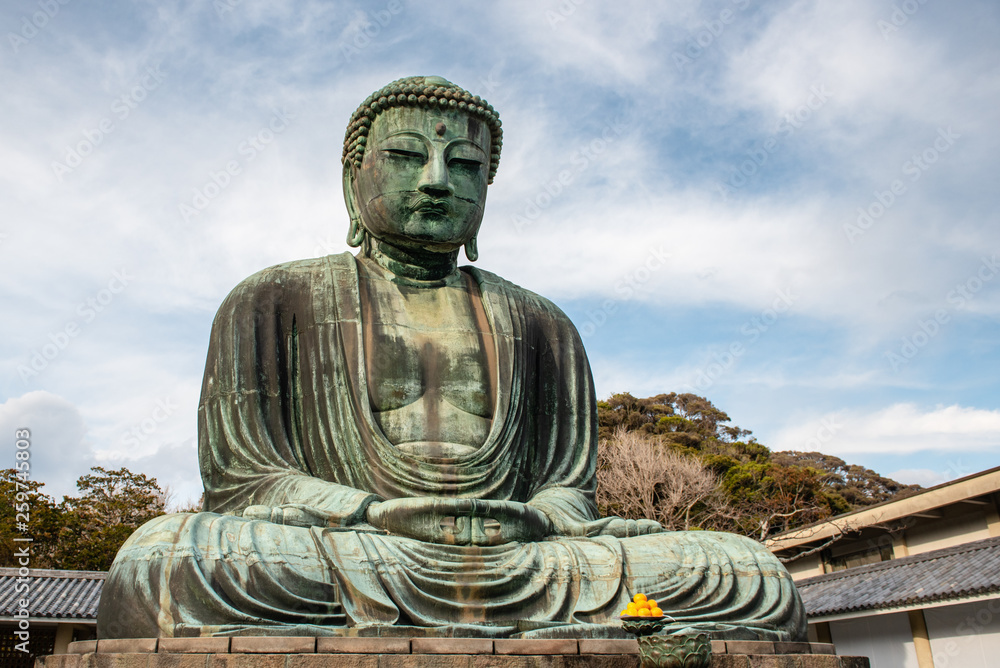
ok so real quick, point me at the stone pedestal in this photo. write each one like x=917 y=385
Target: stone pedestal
x=326 y=652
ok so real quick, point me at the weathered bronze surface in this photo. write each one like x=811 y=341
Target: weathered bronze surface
x=675 y=651
x=391 y=441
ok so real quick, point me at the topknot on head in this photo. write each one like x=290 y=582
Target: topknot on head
x=419 y=92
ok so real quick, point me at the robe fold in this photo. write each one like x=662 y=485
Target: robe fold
x=285 y=419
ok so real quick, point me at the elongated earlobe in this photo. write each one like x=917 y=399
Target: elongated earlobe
x=472 y=250
x=355 y=233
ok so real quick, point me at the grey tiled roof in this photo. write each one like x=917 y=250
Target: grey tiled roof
x=53 y=594
x=972 y=569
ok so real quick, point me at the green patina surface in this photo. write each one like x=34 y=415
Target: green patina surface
x=389 y=441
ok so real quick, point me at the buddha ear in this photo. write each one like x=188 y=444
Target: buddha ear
x=356 y=232
x=472 y=249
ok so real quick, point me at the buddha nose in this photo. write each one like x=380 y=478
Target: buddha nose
x=435 y=182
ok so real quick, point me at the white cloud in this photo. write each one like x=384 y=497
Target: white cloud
x=62 y=444
x=60 y=450
x=174 y=465
x=901 y=428
x=922 y=477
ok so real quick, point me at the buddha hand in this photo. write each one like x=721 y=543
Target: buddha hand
x=293 y=514
x=606 y=526
x=459 y=521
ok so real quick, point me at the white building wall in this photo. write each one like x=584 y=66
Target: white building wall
x=806 y=567
x=885 y=639
x=966 y=635
x=955 y=529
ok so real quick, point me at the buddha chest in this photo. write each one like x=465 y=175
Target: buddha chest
x=429 y=360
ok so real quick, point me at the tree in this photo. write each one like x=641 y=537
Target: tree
x=189 y=506
x=20 y=497
x=858 y=485
x=640 y=478
x=757 y=493
x=682 y=420
x=83 y=532
x=765 y=498
x=111 y=505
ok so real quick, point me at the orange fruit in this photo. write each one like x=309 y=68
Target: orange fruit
x=656 y=612
x=644 y=612
x=652 y=603
x=639 y=598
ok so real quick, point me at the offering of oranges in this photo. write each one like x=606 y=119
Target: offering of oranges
x=641 y=606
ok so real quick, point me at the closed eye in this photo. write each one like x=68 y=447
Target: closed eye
x=465 y=162
x=403 y=153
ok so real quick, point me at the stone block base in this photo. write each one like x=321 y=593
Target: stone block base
x=301 y=652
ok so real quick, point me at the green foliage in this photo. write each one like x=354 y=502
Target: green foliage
x=760 y=493
x=857 y=485
x=83 y=532
x=43 y=526
x=681 y=420
x=111 y=505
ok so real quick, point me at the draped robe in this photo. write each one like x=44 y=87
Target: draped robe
x=285 y=419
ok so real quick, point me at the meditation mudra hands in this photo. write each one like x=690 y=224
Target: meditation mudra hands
x=459 y=521
x=454 y=521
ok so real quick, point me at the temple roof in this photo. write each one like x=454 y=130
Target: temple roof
x=954 y=573
x=53 y=594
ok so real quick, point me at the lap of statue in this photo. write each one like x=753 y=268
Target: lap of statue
x=226 y=575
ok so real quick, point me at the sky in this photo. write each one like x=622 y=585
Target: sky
x=787 y=207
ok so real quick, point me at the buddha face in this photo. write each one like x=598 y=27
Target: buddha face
x=422 y=183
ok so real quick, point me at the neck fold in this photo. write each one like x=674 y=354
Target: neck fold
x=411 y=264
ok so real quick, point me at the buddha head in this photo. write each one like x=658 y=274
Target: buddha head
x=418 y=156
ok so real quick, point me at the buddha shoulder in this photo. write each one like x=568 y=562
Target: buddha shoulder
x=283 y=282
x=536 y=308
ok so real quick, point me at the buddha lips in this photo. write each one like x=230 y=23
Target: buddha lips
x=429 y=205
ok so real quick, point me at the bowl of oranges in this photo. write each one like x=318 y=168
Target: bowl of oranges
x=642 y=616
